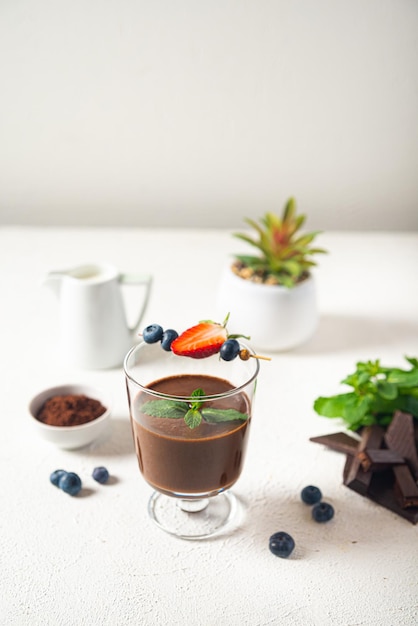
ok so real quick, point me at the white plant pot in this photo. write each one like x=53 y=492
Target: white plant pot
x=276 y=318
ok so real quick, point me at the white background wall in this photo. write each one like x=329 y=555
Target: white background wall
x=199 y=112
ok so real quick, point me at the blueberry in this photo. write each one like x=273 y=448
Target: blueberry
x=152 y=333
x=229 y=350
x=167 y=339
x=322 y=512
x=311 y=494
x=70 y=483
x=101 y=475
x=56 y=475
x=281 y=544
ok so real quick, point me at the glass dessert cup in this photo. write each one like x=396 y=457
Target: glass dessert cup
x=190 y=421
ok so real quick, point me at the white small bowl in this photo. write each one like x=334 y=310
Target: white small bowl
x=70 y=437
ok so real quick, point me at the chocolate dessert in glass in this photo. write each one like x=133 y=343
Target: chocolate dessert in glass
x=190 y=420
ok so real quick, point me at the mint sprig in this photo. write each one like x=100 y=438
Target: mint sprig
x=192 y=412
x=378 y=392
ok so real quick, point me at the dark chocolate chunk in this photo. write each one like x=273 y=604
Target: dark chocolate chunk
x=400 y=437
x=355 y=477
x=385 y=475
x=378 y=460
x=406 y=489
x=340 y=442
x=371 y=438
x=381 y=491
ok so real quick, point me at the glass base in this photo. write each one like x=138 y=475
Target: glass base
x=195 y=518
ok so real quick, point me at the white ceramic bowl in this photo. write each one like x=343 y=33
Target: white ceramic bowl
x=70 y=437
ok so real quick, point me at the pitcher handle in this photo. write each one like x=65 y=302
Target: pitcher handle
x=135 y=279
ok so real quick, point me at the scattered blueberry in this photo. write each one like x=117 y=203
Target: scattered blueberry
x=101 y=475
x=229 y=350
x=56 y=475
x=167 y=339
x=311 y=494
x=152 y=333
x=322 y=512
x=70 y=483
x=281 y=544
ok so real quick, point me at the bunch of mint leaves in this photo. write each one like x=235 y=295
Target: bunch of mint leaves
x=192 y=412
x=377 y=393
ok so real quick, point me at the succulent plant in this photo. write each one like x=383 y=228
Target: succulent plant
x=286 y=255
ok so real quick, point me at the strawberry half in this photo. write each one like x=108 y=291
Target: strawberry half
x=200 y=341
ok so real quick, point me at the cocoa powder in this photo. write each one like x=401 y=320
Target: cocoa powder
x=70 y=410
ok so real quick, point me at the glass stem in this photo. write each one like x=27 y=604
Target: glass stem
x=193 y=506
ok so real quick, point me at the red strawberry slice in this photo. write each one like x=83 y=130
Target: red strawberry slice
x=200 y=341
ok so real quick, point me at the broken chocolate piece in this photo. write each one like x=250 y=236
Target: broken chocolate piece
x=406 y=490
x=385 y=475
x=371 y=438
x=379 y=460
x=381 y=491
x=355 y=477
x=340 y=442
x=400 y=437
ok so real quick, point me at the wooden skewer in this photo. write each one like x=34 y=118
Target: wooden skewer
x=258 y=356
x=245 y=354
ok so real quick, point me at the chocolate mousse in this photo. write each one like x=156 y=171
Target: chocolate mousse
x=178 y=460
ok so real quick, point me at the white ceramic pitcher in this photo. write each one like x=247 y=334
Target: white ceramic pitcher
x=94 y=333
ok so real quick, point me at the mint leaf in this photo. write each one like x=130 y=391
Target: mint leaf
x=357 y=411
x=197 y=393
x=389 y=391
x=412 y=360
x=222 y=415
x=352 y=408
x=165 y=408
x=411 y=405
x=332 y=406
x=193 y=418
x=404 y=379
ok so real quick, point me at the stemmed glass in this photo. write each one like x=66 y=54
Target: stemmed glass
x=190 y=422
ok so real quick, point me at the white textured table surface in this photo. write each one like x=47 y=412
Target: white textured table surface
x=98 y=559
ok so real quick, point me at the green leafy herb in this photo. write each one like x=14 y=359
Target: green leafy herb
x=193 y=418
x=377 y=393
x=165 y=408
x=191 y=412
x=197 y=393
x=224 y=415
